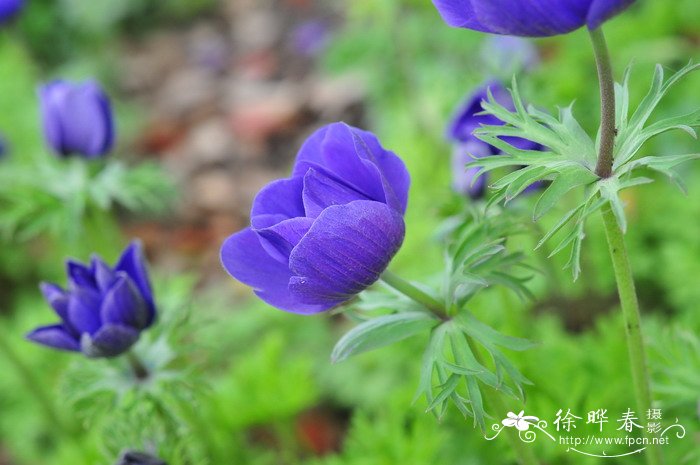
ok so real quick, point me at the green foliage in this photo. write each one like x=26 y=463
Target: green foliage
x=382 y=331
x=54 y=196
x=452 y=368
x=570 y=159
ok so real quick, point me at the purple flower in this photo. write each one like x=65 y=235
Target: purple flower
x=138 y=458
x=329 y=231
x=103 y=310
x=9 y=8
x=3 y=147
x=463 y=181
x=468 y=117
x=531 y=18
x=467 y=146
x=77 y=118
x=310 y=37
x=508 y=55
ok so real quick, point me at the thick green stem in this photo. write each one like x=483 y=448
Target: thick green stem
x=633 y=330
x=607 y=104
x=412 y=292
x=524 y=454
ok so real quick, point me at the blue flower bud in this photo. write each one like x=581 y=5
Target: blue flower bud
x=322 y=236
x=77 y=118
x=103 y=310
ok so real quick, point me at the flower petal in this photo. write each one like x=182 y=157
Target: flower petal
x=391 y=166
x=132 y=262
x=244 y=258
x=463 y=178
x=281 y=198
x=602 y=10
x=55 y=336
x=467 y=118
x=104 y=275
x=84 y=310
x=57 y=298
x=345 y=251
x=110 y=341
x=283 y=237
x=124 y=305
x=322 y=191
x=80 y=275
x=536 y=18
x=356 y=158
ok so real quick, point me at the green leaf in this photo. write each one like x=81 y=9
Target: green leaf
x=609 y=189
x=380 y=332
x=484 y=333
x=568 y=179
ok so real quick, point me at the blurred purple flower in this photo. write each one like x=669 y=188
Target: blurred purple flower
x=103 y=310
x=467 y=118
x=322 y=236
x=463 y=181
x=530 y=18
x=311 y=37
x=467 y=146
x=139 y=458
x=508 y=55
x=3 y=147
x=77 y=118
x=9 y=9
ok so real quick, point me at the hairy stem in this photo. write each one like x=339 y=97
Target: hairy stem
x=524 y=454
x=414 y=293
x=607 y=104
x=633 y=330
x=139 y=369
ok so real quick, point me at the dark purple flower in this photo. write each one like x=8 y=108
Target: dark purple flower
x=310 y=37
x=467 y=146
x=139 y=458
x=77 y=118
x=530 y=18
x=103 y=310
x=328 y=232
x=9 y=9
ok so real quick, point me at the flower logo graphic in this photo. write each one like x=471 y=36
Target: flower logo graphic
x=520 y=421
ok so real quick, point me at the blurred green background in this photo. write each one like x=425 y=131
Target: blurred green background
x=221 y=94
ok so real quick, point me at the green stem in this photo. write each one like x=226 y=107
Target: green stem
x=525 y=455
x=607 y=104
x=139 y=369
x=412 y=292
x=33 y=385
x=633 y=330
